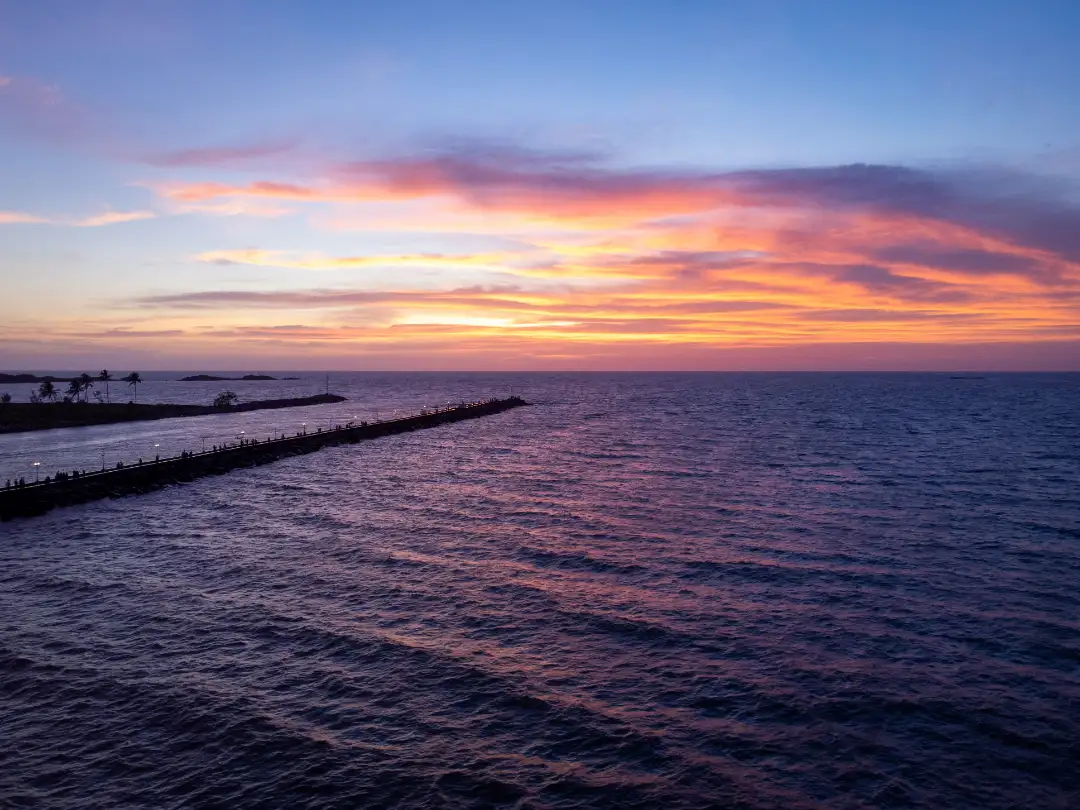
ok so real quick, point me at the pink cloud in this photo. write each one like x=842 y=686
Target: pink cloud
x=20 y=217
x=234 y=208
x=112 y=218
x=95 y=221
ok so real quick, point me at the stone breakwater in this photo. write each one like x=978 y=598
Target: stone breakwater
x=74 y=488
x=19 y=417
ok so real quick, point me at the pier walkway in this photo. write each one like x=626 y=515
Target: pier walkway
x=23 y=500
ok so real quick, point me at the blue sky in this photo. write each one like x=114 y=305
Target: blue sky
x=711 y=82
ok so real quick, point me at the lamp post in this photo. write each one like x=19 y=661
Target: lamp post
x=304 y=426
x=37 y=469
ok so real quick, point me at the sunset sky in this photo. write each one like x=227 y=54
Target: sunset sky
x=539 y=185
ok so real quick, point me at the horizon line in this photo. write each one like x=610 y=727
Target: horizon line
x=959 y=370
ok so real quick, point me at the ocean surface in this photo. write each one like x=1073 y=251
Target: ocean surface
x=645 y=591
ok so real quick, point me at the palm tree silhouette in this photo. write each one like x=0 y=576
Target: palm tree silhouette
x=226 y=399
x=133 y=379
x=47 y=391
x=75 y=388
x=106 y=377
x=86 y=382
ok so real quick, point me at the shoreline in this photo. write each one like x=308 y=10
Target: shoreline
x=20 y=417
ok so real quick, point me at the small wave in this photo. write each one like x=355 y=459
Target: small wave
x=577 y=561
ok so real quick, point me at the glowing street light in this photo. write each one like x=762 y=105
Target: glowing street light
x=37 y=468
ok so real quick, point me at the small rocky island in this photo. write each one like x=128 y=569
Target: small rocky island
x=212 y=378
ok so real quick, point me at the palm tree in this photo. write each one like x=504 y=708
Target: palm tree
x=86 y=382
x=74 y=389
x=47 y=391
x=226 y=399
x=133 y=379
x=105 y=377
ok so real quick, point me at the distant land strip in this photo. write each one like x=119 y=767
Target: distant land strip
x=12 y=379
x=68 y=489
x=31 y=378
x=17 y=417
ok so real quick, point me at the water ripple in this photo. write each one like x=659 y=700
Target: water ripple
x=684 y=591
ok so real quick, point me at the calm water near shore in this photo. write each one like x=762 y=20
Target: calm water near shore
x=656 y=591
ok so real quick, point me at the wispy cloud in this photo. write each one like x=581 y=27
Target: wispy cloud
x=233 y=208
x=93 y=221
x=132 y=334
x=20 y=218
x=316 y=261
x=111 y=218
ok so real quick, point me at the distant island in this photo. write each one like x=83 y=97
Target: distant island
x=29 y=378
x=16 y=417
x=211 y=378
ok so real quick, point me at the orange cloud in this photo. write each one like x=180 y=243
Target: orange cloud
x=602 y=261
x=600 y=199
